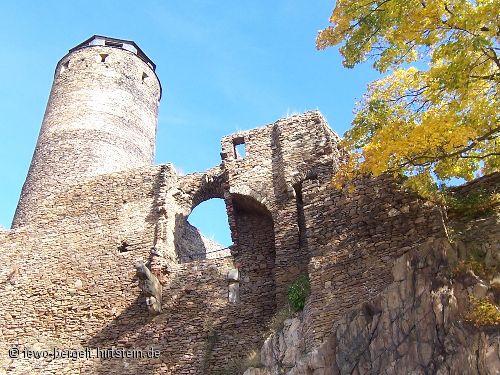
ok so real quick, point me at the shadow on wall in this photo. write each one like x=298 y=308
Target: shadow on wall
x=191 y=245
x=278 y=173
x=181 y=334
x=131 y=325
x=159 y=183
x=199 y=330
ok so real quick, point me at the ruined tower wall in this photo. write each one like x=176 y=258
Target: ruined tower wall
x=100 y=118
x=279 y=157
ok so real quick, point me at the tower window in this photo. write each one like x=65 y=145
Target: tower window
x=64 y=67
x=301 y=219
x=144 y=76
x=104 y=56
x=113 y=44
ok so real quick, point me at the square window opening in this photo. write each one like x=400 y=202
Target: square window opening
x=239 y=148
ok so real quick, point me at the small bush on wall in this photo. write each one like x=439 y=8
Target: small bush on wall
x=483 y=313
x=298 y=292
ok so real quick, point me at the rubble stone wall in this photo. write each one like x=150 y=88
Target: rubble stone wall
x=278 y=158
x=70 y=282
x=101 y=118
x=354 y=238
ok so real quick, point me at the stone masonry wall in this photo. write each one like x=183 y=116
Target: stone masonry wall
x=66 y=287
x=100 y=118
x=69 y=279
x=354 y=238
x=475 y=234
x=69 y=274
x=279 y=157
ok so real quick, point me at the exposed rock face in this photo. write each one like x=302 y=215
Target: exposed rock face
x=285 y=348
x=413 y=327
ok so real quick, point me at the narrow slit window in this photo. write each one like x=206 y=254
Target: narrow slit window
x=301 y=219
x=239 y=148
x=104 y=56
x=64 y=67
x=144 y=76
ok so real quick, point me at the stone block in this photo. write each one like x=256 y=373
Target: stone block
x=233 y=275
x=234 y=293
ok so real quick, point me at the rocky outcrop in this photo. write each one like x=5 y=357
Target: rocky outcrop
x=415 y=326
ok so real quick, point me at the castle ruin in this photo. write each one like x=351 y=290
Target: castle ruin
x=101 y=253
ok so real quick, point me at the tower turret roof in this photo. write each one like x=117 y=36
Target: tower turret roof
x=129 y=45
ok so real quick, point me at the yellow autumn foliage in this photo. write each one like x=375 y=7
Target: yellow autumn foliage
x=435 y=122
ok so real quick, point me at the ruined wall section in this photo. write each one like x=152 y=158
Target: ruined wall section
x=71 y=282
x=278 y=158
x=475 y=234
x=92 y=300
x=354 y=238
x=194 y=245
x=67 y=278
x=197 y=323
x=100 y=118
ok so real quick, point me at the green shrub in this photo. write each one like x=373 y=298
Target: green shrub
x=474 y=203
x=483 y=313
x=298 y=292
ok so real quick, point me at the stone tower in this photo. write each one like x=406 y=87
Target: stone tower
x=100 y=118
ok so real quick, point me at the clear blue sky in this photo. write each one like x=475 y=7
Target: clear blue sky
x=224 y=66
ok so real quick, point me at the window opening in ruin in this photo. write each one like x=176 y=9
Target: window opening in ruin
x=206 y=233
x=239 y=148
x=301 y=219
x=144 y=76
x=104 y=56
x=65 y=66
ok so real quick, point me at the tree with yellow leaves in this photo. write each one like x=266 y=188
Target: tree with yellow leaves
x=429 y=124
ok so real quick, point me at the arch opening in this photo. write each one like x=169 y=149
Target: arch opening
x=205 y=233
x=255 y=257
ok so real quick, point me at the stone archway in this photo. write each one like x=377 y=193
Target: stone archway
x=190 y=244
x=254 y=255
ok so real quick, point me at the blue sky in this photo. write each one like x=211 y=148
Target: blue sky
x=224 y=66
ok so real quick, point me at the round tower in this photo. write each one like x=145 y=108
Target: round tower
x=100 y=118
